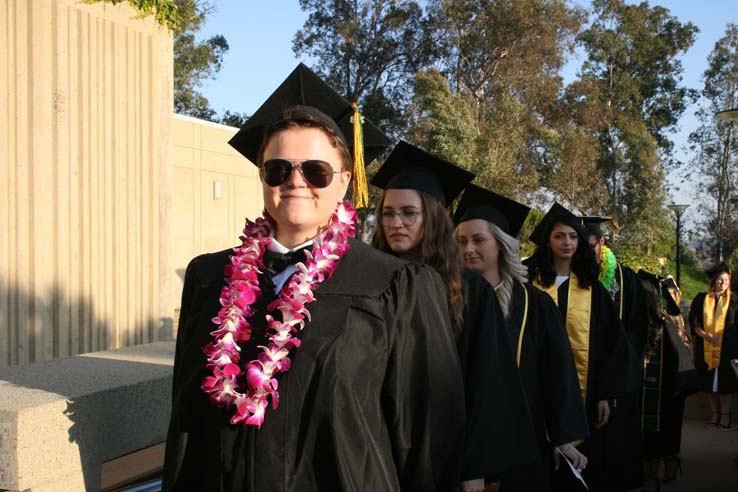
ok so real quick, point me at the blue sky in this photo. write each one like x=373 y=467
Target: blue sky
x=260 y=57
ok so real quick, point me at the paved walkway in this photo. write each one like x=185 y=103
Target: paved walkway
x=707 y=459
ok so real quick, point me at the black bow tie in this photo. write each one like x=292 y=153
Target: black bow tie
x=275 y=263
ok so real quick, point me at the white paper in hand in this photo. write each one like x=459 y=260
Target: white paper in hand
x=573 y=470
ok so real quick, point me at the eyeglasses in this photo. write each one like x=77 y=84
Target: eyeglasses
x=316 y=173
x=407 y=217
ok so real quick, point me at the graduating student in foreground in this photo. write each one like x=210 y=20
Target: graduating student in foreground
x=713 y=317
x=307 y=361
x=415 y=225
x=623 y=434
x=488 y=225
x=564 y=267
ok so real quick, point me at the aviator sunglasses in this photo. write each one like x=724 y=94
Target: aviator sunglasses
x=316 y=173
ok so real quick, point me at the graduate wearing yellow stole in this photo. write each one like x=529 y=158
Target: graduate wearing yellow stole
x=712 y=318
x=564 y=266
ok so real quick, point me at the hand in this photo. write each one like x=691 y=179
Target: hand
x=473 y=485
x=603 y=413
x=577 y=459
x=712 y=338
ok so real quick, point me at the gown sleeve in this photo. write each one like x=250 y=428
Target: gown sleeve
x=423 y=396
x=565 y=416
x=499 y=431
x=636 y=312
x=176 y=437
x=614 y=377
x=190 y=409
x=695 y=312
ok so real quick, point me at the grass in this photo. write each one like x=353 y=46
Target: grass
x=694 y=279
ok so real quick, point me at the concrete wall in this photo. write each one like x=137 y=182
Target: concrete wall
x=60 y=420
x=85 y=179
x=201 y=222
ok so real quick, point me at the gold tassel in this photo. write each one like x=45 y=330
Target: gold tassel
x=360 y=188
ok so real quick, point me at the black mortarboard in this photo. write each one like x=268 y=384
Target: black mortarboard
x=556 y=213
x=304 y=88
x=409 y=167
x=593 y=224
x=479 y=203
x=716 y=270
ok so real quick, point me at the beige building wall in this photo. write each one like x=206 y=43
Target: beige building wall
x=85 y=179
x=215 y=189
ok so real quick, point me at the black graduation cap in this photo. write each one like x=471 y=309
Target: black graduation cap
x=480 y=203
x=556 y=213
x=716 y=270
x=593 y=224
x=304 y=88
x=409 y=167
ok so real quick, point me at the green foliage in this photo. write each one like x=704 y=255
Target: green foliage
x=628 y=99
x=487 y=106
x=164 y=11
x=527 y=248
x=369 y=50
x=632 y=259
x=195 y=61
x=715 y=164
x=444 y=123
x=694 y=279
x=233 y=118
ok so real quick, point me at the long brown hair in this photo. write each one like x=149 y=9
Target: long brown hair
x=437 y=248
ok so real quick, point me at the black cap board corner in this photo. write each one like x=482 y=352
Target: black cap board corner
x=410 y=167
x=557 y=213
x=480 y=203
x=716 y=270
x=593 y=224
x=303 y=88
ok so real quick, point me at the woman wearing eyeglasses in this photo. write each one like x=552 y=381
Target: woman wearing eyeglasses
x=414 y=225
x=307 y=361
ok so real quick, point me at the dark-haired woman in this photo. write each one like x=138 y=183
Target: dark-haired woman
x=414 y=225
x=307 y=361
x=486 y=233
x=564 y=267
x=712 y=317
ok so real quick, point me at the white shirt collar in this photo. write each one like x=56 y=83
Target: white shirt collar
x=277 y=247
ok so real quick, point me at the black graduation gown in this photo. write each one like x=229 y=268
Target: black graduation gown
x=727 y=382
x=673 y=372
x=608 y=375
x=373 y=401
x=499 y=431
x=623 y=436
x=550 y=381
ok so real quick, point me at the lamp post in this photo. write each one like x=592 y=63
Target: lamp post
x=678 y=210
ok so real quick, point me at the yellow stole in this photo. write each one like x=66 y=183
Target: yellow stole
x=522 y=325
x=713 y=321
x=578 y=313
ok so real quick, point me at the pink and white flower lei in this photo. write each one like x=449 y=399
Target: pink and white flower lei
x=242 y=290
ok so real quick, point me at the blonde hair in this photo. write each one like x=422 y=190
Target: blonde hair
x=511 y=268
